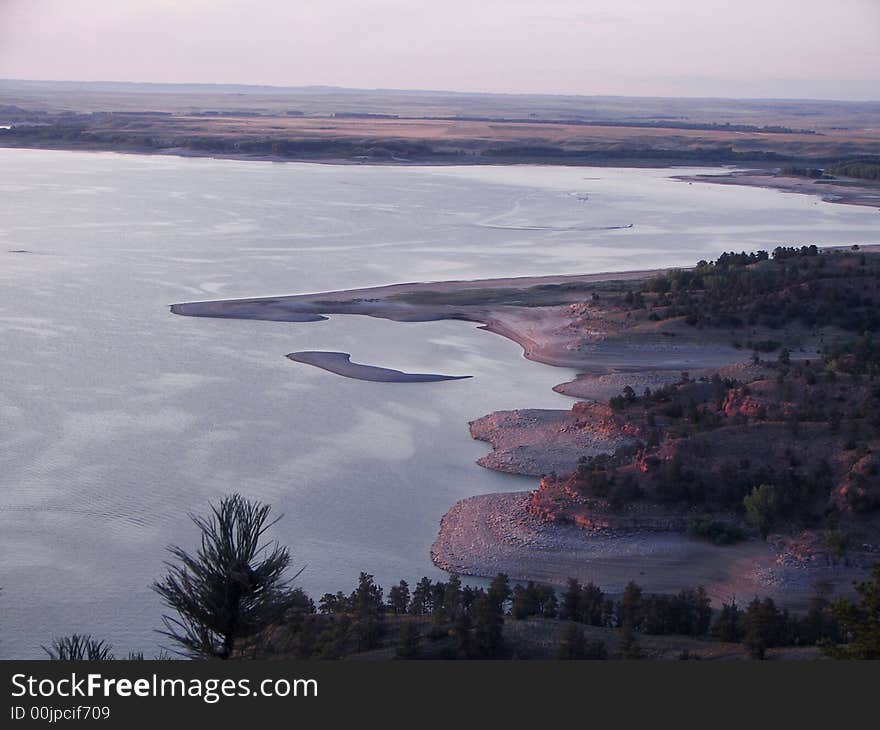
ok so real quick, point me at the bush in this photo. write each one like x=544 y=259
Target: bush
x=718 y=532
x=836 y=542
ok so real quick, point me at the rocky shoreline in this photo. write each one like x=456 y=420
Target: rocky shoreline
x=498 y=533
x=565 y=321
x=534 y=442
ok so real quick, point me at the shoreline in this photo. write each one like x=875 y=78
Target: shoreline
x=492 y=533
x=541 y=327
x=844 y=192
x=557 y=320
x=451 y=161
x=847 y=192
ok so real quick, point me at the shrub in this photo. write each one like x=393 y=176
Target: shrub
x=718 y=532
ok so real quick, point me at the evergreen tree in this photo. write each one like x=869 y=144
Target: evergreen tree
x=333 y=603
x=571 y=642
x=233 y=588
x=335 y=639
x=499 y=590
x=819 y=624
x=727 y=625
x=488 y=627
x=304 y=643
x=452 y=598
x=629 y=648
x=764 y=627
x=408 y=641
x=860 y=622
x=760 y=505
x=421 y=603
x=525 y=602
x=593 y=608
x=366 y=603
x=571 y=598
x=461 y=632
x=548 y=602
x=398 y=597
x=629 y=609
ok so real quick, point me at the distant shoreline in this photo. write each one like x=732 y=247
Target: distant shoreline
x=844 y=192
x=660 y=163
x=848 y=192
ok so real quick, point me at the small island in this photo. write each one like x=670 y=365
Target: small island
x=341 y=364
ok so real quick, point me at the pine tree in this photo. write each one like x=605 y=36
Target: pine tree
x=727 y=625
x=571 y=642
x=499 y=590
x=860 y=621
x=233 y=588
x=421 y=603
x=367 y=606
x=408 y=641
x=488 y=627
x=570 y=601
x=398 y=597
x=760 y=505
x=629 y=609
x=628 y=645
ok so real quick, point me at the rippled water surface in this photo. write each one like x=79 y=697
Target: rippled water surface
x=117 y=418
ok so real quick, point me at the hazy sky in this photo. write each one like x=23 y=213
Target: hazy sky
x=775 y=48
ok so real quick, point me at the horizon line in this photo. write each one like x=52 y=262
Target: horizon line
x=437 y=91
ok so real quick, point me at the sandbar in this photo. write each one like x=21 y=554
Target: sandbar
x=341 y=364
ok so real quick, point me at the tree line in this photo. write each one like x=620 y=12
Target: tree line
x=233 y=598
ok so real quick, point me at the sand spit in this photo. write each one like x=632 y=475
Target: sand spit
x=547 y=316
x=413 y=302
x=341 y=364
x=492 y=533
x=846 y=191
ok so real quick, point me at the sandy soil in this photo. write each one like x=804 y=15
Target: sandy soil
x=341 y=364
x=494 y=533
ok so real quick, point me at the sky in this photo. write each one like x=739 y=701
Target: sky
x=728 y=48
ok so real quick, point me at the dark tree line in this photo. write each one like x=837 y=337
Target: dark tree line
x=791 y=284
x=233 y=600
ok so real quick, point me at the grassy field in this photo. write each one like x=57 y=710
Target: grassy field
x=423 y=126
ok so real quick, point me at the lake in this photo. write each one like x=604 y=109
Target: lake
x=118 y=418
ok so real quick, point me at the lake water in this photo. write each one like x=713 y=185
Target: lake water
x=118 y=418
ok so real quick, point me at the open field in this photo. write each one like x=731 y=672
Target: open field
x=439 y=127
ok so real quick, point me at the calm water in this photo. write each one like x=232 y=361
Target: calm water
x=117 y=418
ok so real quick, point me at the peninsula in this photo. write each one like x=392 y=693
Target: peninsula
x=724 y=434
